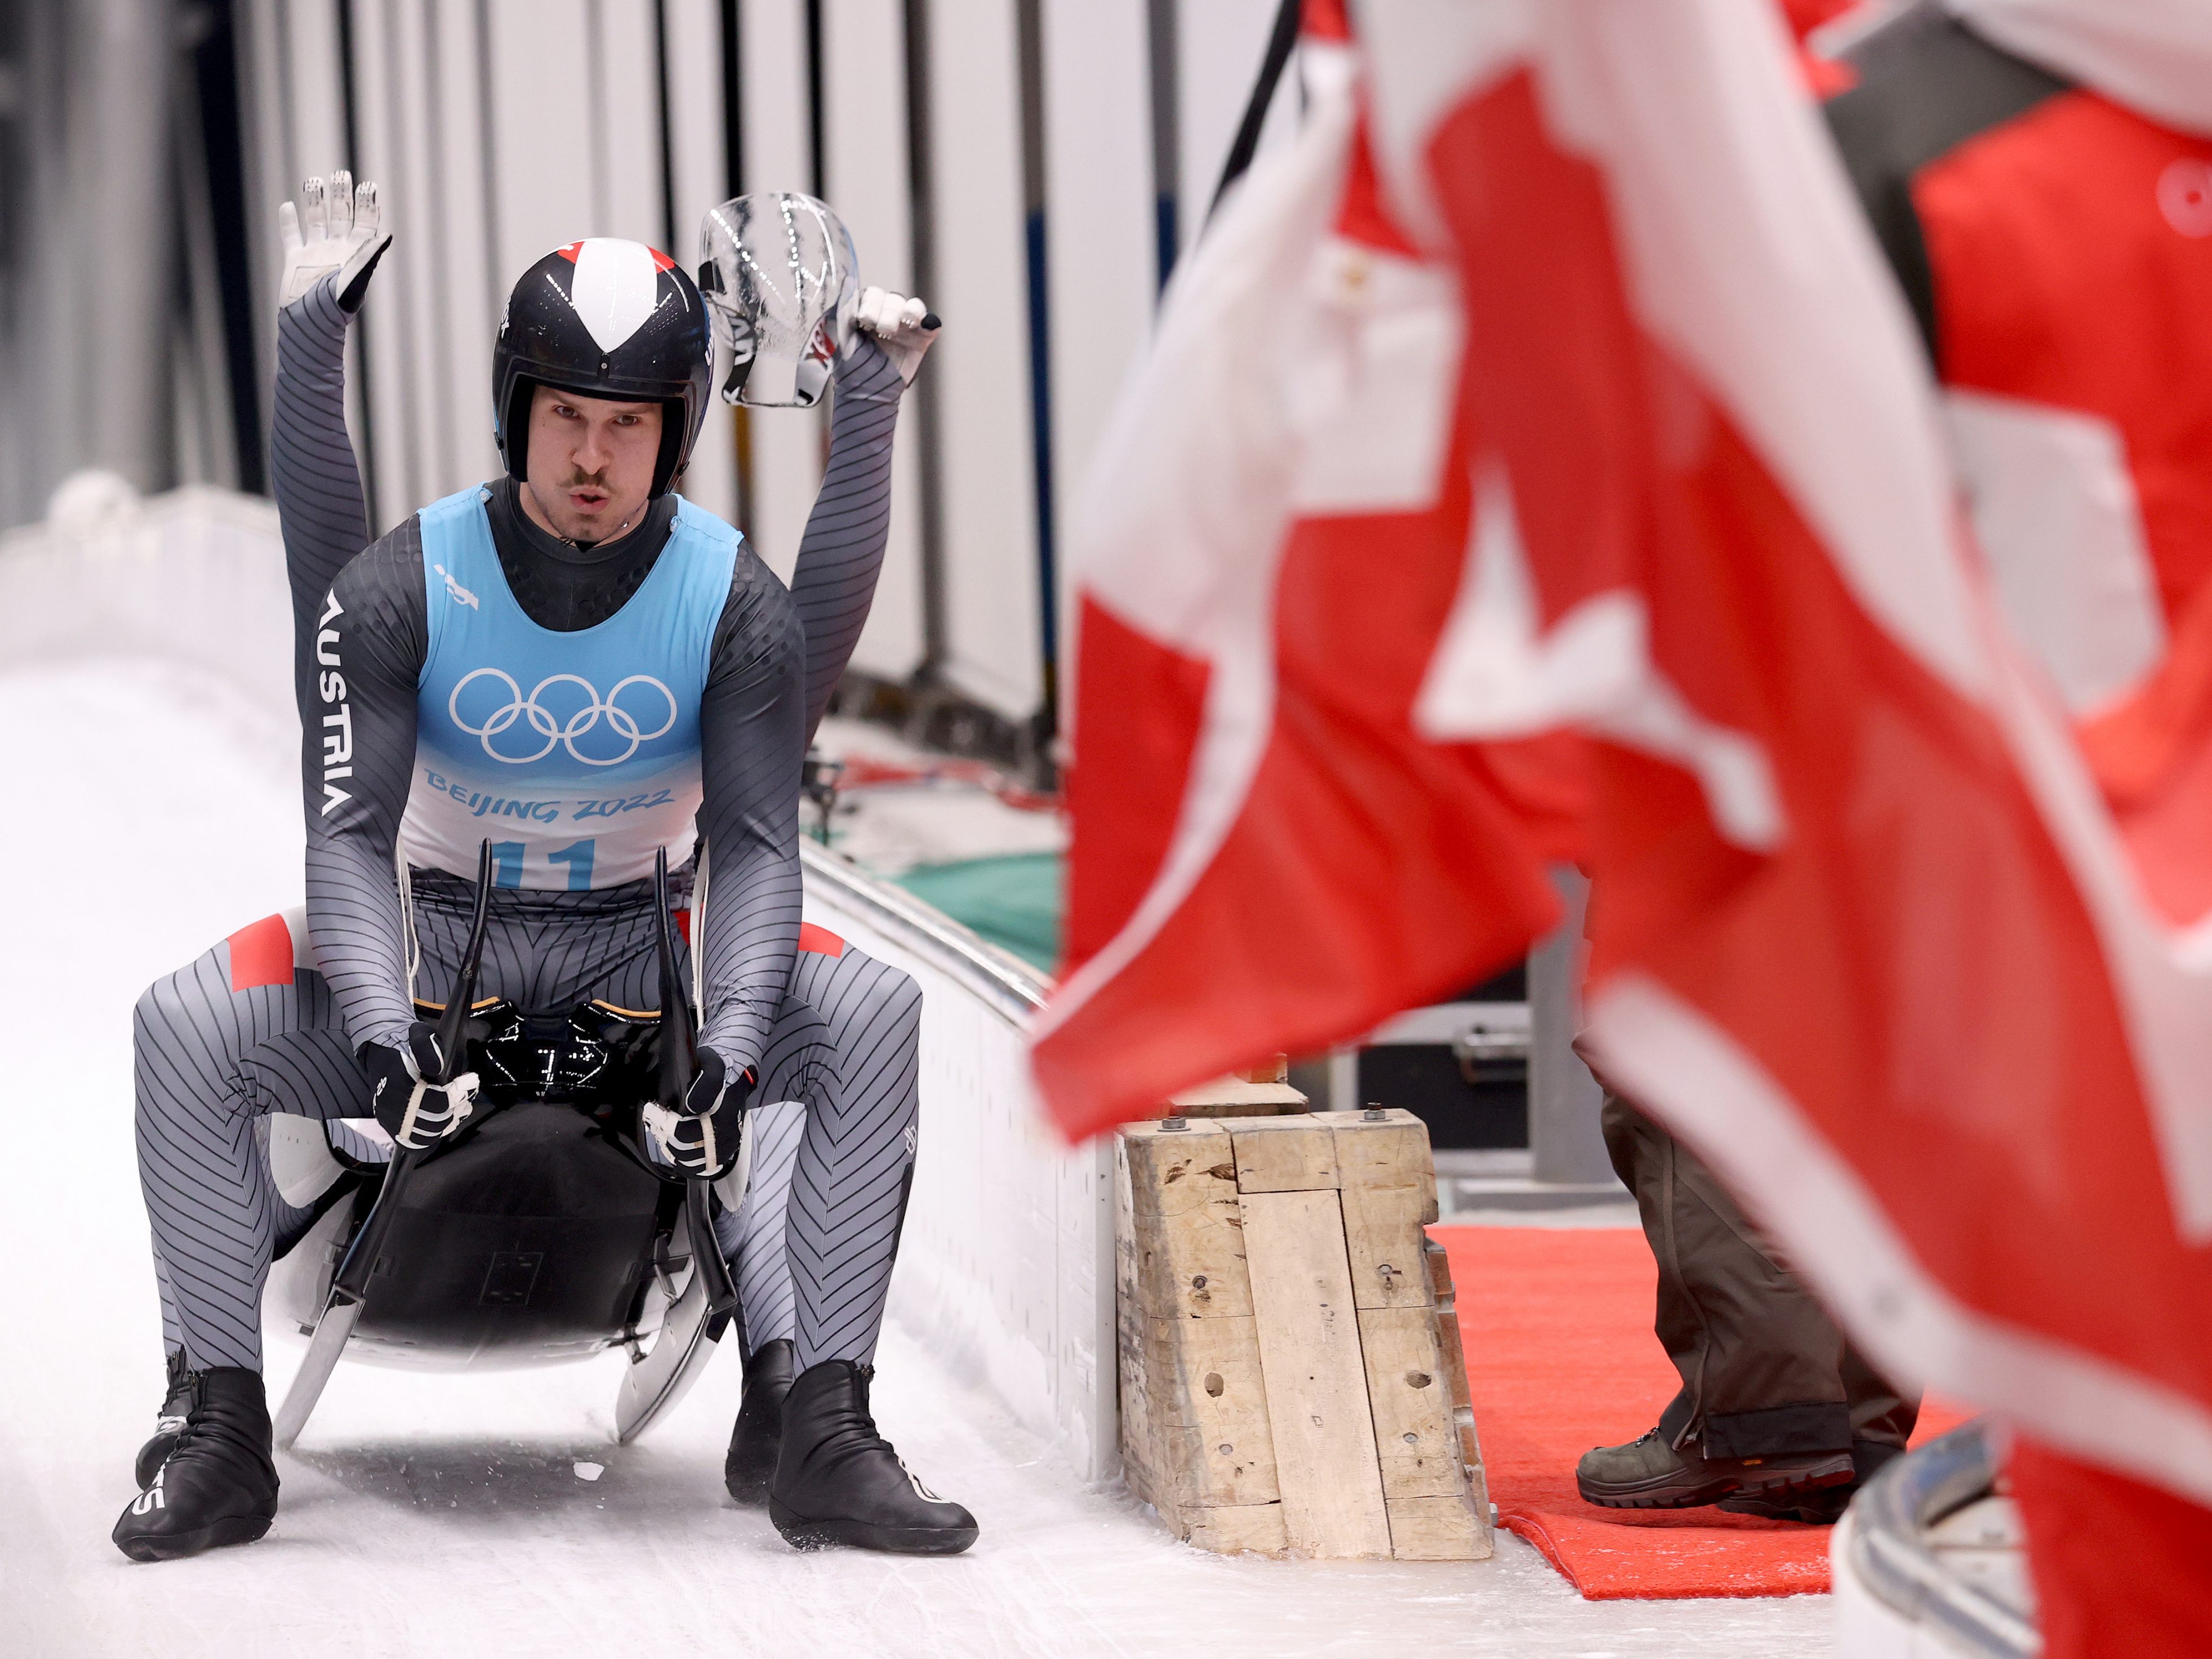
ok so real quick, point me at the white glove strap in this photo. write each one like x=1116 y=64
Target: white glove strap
x=685 y=1141
x=424 y=1124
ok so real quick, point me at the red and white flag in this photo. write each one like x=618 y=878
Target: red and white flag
x=1536 y=460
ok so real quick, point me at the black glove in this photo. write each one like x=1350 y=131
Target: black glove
x=714 y=1090
x=415 y=1112
x=702 y=1138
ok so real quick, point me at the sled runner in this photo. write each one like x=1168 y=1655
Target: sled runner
x=542 y=1231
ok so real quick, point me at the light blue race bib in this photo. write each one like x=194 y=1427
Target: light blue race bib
x=577 y=753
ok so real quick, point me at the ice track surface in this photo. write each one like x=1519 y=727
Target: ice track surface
x=149 y=817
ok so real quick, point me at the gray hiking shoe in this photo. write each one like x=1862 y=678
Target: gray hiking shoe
x=1823 y=1506
x=1648 y=1474
x=1820 y=1508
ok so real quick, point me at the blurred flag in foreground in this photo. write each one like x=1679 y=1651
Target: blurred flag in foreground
x=1535 y=460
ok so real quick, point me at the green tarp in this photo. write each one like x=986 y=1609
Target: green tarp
x=1014 y=902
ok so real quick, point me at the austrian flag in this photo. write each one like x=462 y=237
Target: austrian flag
x=1535 y=462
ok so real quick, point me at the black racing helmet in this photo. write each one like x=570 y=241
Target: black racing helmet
x=609 y=319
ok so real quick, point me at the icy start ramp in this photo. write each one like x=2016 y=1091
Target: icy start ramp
x=155 y=809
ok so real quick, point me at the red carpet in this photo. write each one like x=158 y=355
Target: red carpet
x=1560 y=1357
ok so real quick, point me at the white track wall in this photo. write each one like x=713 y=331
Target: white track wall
x=1006 y=1267
x=500 y=128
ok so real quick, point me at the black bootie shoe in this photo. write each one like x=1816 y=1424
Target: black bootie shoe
x=171 y=1422
x=218 y=1484
x=838 y=1481
x=758 y=1436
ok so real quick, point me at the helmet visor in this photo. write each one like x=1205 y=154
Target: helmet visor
x=777 y=270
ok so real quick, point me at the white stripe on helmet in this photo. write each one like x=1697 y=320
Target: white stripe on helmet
x=615 y=288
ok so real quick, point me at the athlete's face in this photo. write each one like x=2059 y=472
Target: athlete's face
x=591 y=463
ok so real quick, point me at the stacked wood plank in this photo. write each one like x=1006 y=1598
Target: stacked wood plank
x=1291 y=1373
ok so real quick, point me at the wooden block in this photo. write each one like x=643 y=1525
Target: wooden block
x=1316 y=1381
x=1439 y=1529
x=1137 y=1457
x=1276 y=1068
x=1391 y=1152
x=1239 y=1097
x=1207 y=1412
x=1255 y=1529
x=1185 y=1230
x=1283 y=1154
x=1470 y=1453
x=1416 y=1440
x=1439 y=1265
x=1383 y=1237
x=1167 y=1166
x=1390 y=1190
x=1454 y=1355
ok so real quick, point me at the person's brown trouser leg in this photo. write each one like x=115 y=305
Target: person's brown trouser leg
x=1765 y=1371
x=1882 y=1415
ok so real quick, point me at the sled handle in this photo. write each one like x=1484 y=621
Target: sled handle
x=679 y=1063
x=351 y=1284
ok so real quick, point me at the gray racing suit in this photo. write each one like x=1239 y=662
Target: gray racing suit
x=230 y=1037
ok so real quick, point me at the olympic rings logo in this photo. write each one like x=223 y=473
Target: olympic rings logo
x=562 y=726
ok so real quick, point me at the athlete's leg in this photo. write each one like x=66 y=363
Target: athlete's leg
x=873 y=1012
x=753 y=1236
x=248 y=1029
x=856 y=1158
x=836 y=1479
x=244 y=1031
x=239 y=1033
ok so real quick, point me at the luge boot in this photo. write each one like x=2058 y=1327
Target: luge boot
x=838 y=1481
x=758 y=1436
x=1649 y=1473
x=218 y=1483
x=171 y=1422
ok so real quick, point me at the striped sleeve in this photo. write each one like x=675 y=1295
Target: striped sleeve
x=751 y=742
x=359 y=757
x=311 y=465
x=842 y=553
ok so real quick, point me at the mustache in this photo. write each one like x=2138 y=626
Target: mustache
x=580 y=479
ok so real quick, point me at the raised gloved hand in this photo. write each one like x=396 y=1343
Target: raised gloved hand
x=416 y=1112
x=904 y=328
x=701 y=1139
x=342 y=234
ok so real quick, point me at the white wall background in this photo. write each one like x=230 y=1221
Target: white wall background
x=501 y=129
